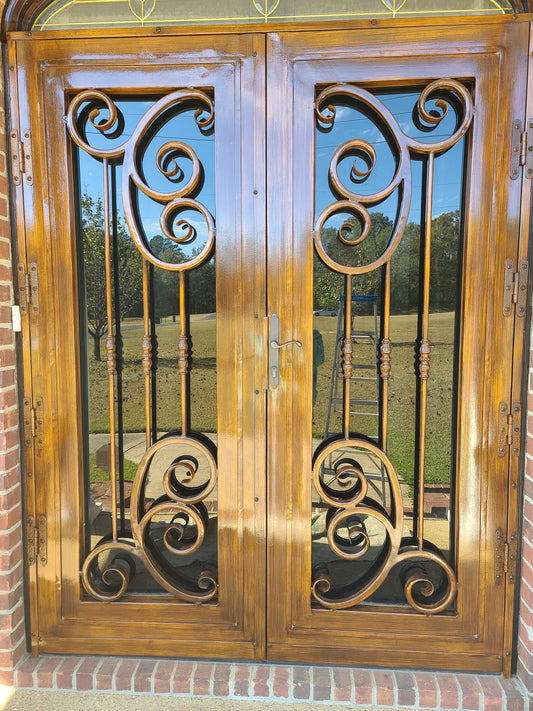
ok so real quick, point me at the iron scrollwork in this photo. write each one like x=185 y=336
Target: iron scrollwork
x=176 y=523
x=428 y=580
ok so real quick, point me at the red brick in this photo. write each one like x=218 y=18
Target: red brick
x=3 y=207
x=84 y=678
x=9 y=541
x=321 y=684
x=492 y=693
x=385 y=687
x=363 y=686
x=6 y=294
x=301 y=683
x=8 y=440
x=5 y=254
x=221 y=679
x=427 y=690
x=10 y=598
x=7 y=677
x=65 y=672
x=124 y=674
x=24 y=675
x=470 y=691
x=182 y=678
x=10 y=498
x=514 y=699
x=241 y=685
x=280 y=685
x=8 y=396
x=405 y=683
x=9 y=419
x=7 y=378
x=202 y=679
x=7 y=357
x=260 y=681
x=104 y=676
x=143 y=676
x=526 y=591
x=9 y=622
x=8 y=462
x=449 y=691
x=525 y=675
x=6 y=334
x=45 y=672
x=342 y=685
x=11 y=579
x=163 y=677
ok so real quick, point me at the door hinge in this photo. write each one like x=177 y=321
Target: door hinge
x=509 y=424
x=31 y=532
x=36 y=541
x=21 y=157
x=515 y=287
x=28 y=287
x=506 y=553
x=521 y=149
x=33 y=421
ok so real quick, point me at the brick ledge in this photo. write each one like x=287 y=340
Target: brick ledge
x=338 y=686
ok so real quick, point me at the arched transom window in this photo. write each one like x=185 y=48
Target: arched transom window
x=67 y=14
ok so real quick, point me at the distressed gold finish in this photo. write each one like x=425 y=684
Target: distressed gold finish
x=265 y=169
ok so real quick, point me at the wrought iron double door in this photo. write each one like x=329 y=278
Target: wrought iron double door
x=242 y=241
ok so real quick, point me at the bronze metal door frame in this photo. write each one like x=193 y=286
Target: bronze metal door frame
x=294 y=625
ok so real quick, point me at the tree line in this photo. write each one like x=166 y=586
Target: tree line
x=127 y=289
x=328 y=285
x=406 y=264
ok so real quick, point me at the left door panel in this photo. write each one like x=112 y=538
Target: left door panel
x=139 y=224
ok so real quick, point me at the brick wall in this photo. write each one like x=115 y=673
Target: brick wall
x=525 y=634
x=12 y=645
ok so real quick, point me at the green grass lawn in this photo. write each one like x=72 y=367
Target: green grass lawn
x=402 y=388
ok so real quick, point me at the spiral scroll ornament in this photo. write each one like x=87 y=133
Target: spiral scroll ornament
x=110 y=566
x=350 y=507
x=94 y=109
x=403 y=146
x=429 y=582
x=163 y=532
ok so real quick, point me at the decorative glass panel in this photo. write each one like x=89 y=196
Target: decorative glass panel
x=147 y=274
x=65 y=14
x=387 y=274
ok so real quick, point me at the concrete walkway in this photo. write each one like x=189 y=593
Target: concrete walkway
x=24 y=700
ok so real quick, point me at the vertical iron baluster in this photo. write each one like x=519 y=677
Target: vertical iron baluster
x=119 y=346
x=347 y=353
x=183 y=357
x=425 y=350
x=385 y=359
x=111 y=355
x=153 y=339
x=147 y=353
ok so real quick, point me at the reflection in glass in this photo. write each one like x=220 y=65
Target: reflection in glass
x=164 y=401
x=373 y=380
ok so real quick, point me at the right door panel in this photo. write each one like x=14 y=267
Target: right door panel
x=391 y=216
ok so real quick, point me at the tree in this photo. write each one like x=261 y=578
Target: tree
x=126 y=267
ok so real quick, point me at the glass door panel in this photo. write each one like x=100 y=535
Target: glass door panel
x=384 y=240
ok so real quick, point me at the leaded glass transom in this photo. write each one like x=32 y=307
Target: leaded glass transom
x=67 y=14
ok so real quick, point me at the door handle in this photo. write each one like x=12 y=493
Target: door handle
x=274 y=347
